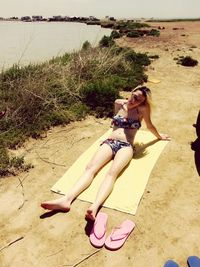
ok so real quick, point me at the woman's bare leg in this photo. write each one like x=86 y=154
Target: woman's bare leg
x=101 y=157
x=122 y=158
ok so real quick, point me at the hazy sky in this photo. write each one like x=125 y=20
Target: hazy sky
x=101 y=8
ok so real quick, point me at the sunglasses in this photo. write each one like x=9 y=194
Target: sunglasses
x=137 y=98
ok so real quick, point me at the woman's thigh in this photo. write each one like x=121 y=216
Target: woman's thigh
x=103 y=155
x=121 y=159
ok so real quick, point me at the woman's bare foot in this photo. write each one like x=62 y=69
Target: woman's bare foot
x=62 y=204
x=91 y=213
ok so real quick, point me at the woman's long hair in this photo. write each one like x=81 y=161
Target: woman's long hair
x=146 y=93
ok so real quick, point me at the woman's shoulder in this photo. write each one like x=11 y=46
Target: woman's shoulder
x=145 y=107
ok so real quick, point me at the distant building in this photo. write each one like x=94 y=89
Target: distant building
x=37 y=18
x=13 y=18
x=57 y=18
x=26 y=18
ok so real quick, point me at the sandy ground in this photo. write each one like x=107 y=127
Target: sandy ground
x=168 y=215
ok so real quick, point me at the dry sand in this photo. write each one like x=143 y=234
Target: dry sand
x=168 y=215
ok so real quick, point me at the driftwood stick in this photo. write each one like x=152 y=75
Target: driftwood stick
x=55 y=253
x=21 y=180
x=12 y=242
x=72 y=143
x=22 y=186
x=20 y=183
x=53 y=163
x=50 y=162
x=87 y=257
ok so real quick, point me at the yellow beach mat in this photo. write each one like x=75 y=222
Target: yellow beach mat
x=131 y=183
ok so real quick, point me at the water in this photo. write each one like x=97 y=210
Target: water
x=32 y=42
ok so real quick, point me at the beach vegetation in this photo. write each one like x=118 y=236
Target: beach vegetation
x=154 y=32
x=153 y=56
x=134 y=34
x=64 y=89
x=86 y=45
x=11 y=165
x=130 y=25
x=115 y=34
x=173 y=20
x=106 y=41
x=187 y=61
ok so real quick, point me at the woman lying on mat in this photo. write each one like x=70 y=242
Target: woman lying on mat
x=119 y=147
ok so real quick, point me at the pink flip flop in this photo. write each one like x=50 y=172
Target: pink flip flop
x=119 y=235
x=98 y=233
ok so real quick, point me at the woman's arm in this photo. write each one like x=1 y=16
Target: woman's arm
x=119 y=104
x=147 y=118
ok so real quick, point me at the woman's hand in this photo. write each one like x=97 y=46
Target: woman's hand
x=165 y=137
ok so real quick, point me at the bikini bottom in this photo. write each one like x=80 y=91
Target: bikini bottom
x=115 y=144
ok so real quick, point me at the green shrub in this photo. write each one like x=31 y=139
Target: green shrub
x=138 y=58
x=154 y=32
x=134 y=34
x=153 y=56
x=63 y=60
x=187 y=61
x=115 y=34
x=135 y=80
x=106 y=41
x=80 y=110
x=137 y=25
x=16 y=72
x=17 y=162
x=86 y=45
x=12 y=138
x=4 y=160
x=11 y=165
x=130 y=25
x=99 y=95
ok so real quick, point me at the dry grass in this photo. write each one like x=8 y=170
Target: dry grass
x=64 y=89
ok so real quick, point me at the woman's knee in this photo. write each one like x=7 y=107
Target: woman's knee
x=92 y=168
x=111 y=174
